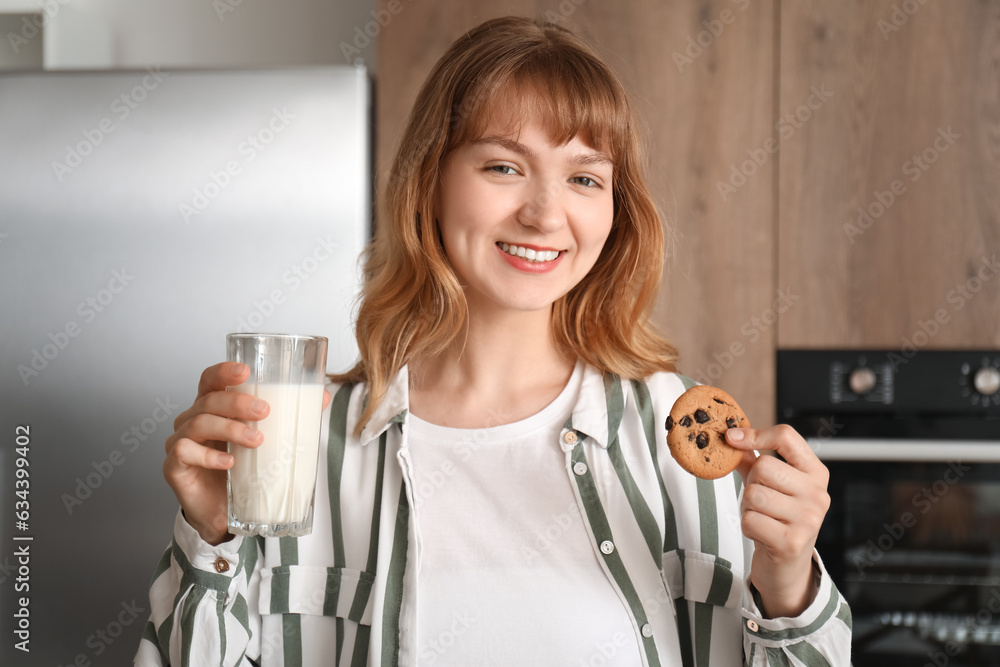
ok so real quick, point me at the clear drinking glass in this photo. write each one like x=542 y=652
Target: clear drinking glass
x=271 y=488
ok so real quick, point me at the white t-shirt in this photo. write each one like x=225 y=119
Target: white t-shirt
x=501 y=532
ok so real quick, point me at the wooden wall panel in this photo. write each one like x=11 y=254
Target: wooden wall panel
x=704 y=114
x=719 y=289
x=916 y=101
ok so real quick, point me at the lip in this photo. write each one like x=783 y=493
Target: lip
x=524 y=265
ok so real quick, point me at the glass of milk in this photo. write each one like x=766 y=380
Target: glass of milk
x=271 y=487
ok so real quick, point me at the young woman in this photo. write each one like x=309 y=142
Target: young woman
x=497 y=488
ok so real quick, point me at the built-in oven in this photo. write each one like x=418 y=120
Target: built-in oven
x=912 y=538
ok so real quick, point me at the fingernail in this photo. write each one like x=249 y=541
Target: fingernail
x=225 y=459
x=735 y=434
x=258 y=406
x=238 y=369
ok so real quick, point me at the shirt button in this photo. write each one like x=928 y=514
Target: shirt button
x=647 y=630
x=570 y=437
x=607 y=547
x=580 y=468
x=752 y=626
x=221 y=565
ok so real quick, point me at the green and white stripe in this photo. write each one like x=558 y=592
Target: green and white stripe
x=345 y=594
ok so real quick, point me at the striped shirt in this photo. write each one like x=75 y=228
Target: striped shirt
x=669 y=544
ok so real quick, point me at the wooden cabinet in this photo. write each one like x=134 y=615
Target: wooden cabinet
x=889 y=197
x=770 y=124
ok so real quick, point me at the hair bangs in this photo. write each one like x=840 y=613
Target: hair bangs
x=569 y=94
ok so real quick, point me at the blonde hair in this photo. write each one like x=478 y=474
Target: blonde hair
x=412 y=303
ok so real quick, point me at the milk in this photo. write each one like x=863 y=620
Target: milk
x=272 y=485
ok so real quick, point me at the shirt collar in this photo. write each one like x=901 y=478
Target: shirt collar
x=393 y=408
x=597 y=412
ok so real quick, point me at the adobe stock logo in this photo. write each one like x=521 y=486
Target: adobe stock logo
x=299 y=272
x=249 y=149
x=874 y=550
x=696 y=44
x=752 y=329
x=103 y=469
x=121 y=108
x=913 y=168
x=33 y=26
x=363 y=36
x=88 y=309
x=437 y=646
x=741 y=173
x=900 y=16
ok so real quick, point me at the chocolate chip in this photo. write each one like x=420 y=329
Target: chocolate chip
x=731 y=422
x=708 y=460
x=685 y=421
x=670 y=422
x=701 y=416
x=702 y=440
x=722 y=437
x=719 y=401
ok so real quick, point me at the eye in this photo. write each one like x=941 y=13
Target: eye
x=586 y=181
x=503 y=169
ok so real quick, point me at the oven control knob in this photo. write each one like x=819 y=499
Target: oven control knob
x=987 y=380
x=862 y=380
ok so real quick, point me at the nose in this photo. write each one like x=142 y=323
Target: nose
x=544 y=208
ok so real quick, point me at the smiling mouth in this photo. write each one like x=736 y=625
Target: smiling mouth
x=529 y=254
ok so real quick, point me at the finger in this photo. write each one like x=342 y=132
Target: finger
x=764 y=529
x=746 y=465
x=803 y=514
x=772 y=472
x=326 y=398
x=206 y=427
x=187 y=453
x=779 y=538
x=215 y=378
x=220 y=376
x=232 y=404
x=782 y=439
x=771 y=502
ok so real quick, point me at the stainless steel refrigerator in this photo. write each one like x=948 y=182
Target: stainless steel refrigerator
x=144 y=215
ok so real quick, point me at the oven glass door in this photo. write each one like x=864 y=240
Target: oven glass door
x=915 y=549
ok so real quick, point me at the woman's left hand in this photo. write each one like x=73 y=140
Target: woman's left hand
x=784 y=503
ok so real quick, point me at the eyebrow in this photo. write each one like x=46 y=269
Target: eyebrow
x=517 y=147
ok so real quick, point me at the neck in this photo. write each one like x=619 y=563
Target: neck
x=503 y=367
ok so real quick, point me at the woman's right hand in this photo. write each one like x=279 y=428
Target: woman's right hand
x=197 y=460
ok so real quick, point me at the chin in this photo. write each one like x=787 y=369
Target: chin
x=531 y=305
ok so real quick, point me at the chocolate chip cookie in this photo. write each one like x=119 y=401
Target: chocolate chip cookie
x=696 y=431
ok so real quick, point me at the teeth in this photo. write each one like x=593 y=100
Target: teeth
x=530 y=254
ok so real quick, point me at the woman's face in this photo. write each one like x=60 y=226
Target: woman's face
x=522 y=219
